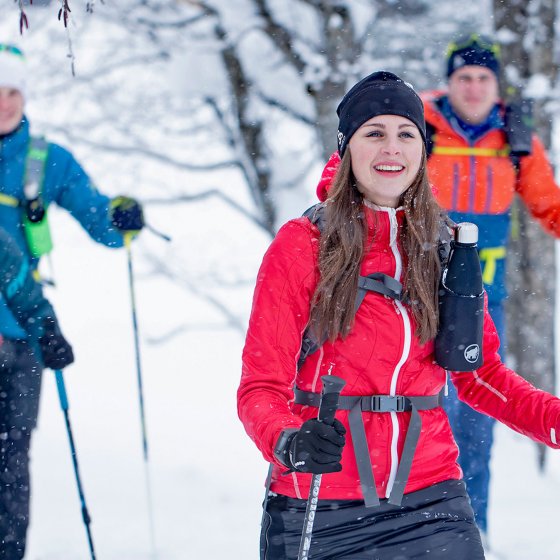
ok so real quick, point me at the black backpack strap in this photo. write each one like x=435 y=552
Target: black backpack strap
x=316 y=215
x=379 y=283
x=518 y=128
x=430 y=138
x=309 y=345
x=446 y=236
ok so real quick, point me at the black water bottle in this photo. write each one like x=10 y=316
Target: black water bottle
x=458 y=344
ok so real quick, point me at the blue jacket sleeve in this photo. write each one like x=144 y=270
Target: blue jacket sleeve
x=67 y=184
x=21 y=292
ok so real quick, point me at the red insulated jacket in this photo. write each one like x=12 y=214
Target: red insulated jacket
x=381 y=356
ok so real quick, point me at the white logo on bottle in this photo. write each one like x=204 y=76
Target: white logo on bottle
x=471 y=353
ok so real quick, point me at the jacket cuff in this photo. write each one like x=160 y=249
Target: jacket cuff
x=282 y=447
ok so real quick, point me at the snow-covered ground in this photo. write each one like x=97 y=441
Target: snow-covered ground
x=204 y=473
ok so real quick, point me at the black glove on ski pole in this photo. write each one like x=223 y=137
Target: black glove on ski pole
x=126 y=214
x=55 y=349
x=329 y=402
x=316 y=447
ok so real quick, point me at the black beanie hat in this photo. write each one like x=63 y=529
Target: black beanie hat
x=380 y=93
x=473 y=50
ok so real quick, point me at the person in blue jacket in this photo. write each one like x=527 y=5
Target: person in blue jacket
x=21 y=364
x=34 y=174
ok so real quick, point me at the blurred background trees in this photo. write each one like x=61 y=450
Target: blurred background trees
x=228 y=109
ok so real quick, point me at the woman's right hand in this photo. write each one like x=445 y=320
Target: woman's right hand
x=316 y=447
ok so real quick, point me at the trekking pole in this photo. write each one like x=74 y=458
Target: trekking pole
x=64 y=405
x=329 y=403
x=127 y=242
x=159 y=234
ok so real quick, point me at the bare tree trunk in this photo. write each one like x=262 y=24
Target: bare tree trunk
x=341 y=50
x=531 y=253
x=248 y=139
x=251 y=131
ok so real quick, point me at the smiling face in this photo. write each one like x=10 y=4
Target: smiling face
x=11 y=109
x=473 y=92
x=386 y=157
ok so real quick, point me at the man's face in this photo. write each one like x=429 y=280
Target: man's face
x=473 y=92
x=11 y=109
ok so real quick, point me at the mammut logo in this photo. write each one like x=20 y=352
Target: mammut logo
x=459 y=62
x=471 y=353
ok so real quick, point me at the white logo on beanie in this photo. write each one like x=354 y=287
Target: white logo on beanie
x=458 y=62
x=13 y=71
x=341 y=138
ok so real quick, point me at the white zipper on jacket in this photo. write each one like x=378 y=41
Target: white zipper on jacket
x=392 y=214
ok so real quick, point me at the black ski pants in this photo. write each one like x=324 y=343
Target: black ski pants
x=434 y=523
x=20 y=385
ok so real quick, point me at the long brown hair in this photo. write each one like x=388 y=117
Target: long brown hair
x=342 y=248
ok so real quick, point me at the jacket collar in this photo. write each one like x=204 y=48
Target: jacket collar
x=378 y=208
x=15 y=142
x=435 y=105
x=382 y=222
x=471 y=131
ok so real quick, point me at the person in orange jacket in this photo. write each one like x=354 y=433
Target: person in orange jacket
x=475 y=176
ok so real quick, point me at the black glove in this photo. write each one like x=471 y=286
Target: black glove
x=126 y=214
x=315 y=448
x=57 y=352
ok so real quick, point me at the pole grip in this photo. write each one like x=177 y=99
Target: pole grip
x=332 y=386
x=127 y=239
x=61 y=389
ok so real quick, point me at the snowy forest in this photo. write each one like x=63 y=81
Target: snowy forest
x=219 y=116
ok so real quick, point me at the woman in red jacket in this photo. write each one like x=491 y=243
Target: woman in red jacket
x=380 y=217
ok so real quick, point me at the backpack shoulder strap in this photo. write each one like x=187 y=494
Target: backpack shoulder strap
x=377 y=282
x=309 y=344
x=518 y=128
x=316 y=215
x=37 y=153
x=446 y=235
x=430 y=135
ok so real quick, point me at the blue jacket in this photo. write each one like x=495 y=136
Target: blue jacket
x=65 y=183
x=20 y=292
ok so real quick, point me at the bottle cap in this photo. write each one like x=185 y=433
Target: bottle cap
x=467 y=233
